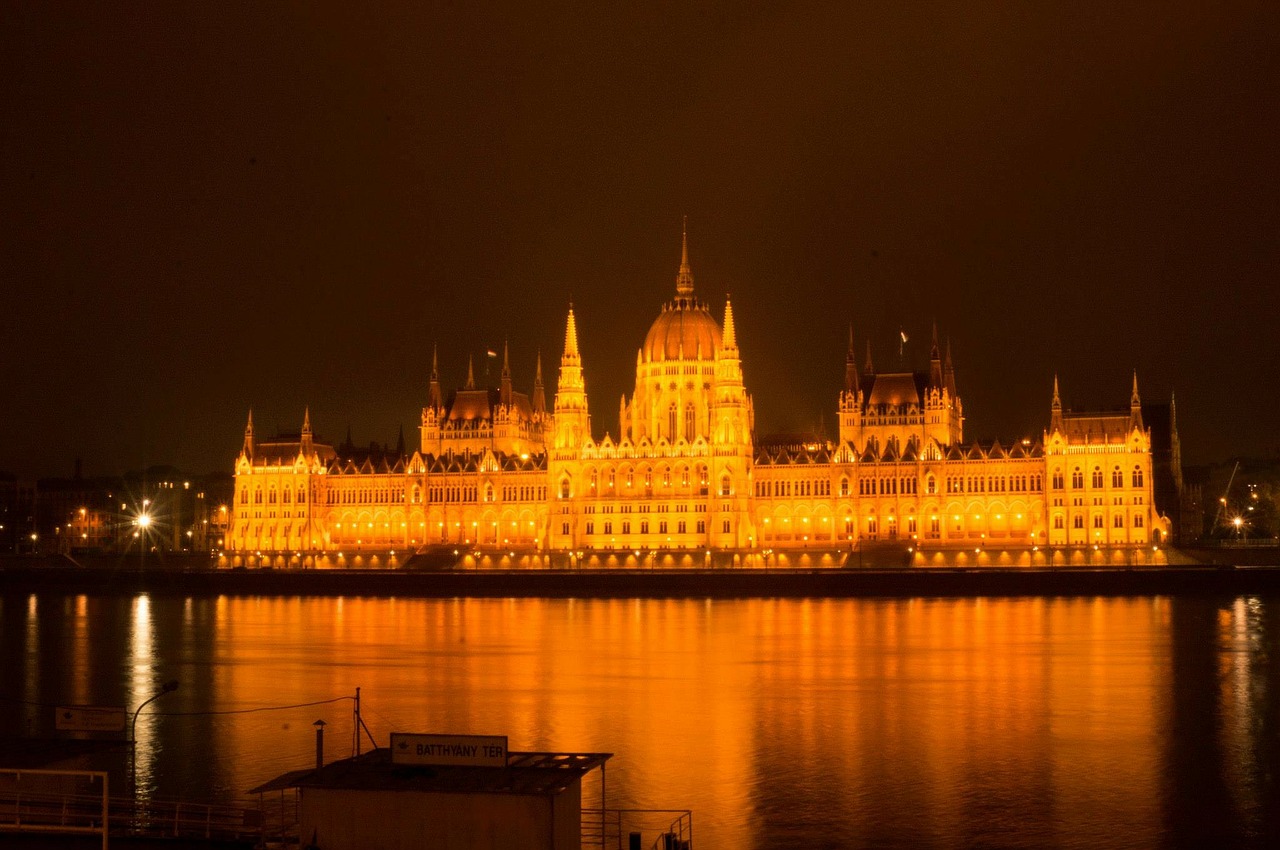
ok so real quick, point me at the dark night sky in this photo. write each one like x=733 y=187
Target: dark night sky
x=213 y=206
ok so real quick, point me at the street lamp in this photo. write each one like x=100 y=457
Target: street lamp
x=143 y=522
x=167 y=687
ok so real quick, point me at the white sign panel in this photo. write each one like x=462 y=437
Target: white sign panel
x=464 y=750
x=89 y=718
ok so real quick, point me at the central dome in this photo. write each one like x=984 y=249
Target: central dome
x=684 y=330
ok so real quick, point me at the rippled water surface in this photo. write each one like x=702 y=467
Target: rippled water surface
x=1145 y=722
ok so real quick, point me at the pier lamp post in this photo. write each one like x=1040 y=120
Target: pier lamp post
x=167 y=687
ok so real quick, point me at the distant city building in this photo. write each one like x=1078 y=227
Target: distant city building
x=499 y=476
x=101 y=515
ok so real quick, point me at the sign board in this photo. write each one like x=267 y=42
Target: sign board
x=89 y=718
x=462 y=750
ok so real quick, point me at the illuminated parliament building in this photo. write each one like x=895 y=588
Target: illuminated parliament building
x=501 y=478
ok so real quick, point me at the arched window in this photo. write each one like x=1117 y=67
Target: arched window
x=612 y=478
x=844 y=486
x=666 y=477
x=488 y=492
x=1077 y=479
x=564 y=488
x=271 y=496
x=1057 y=479
x=285 y=494
x=244 y=497
x=671 y=422
x=684 y=477
x=725 y=486
x=931 y=485
x=689 y=420
x=302 y=495
x=1137 y=476
x=1097 y=476
x=1117 y=477
x=1057 y=521
x=417 y=494
x=595 y=479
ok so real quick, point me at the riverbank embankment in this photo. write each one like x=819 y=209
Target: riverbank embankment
x=722 y=584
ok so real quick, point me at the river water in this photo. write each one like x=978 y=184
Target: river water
x=1136 y=722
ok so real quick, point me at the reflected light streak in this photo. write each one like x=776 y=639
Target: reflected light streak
x=142 y=686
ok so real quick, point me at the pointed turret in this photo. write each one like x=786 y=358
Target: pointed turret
x=248 y=436
x=435 y=397
x=730 y=333
x=539 y=393
x=400 y=443
x=949 y=371
x=868 y=367
x=684 y=278
x=572 y=422
x=307 y=445
x=1055 y=414
x=850 y=366
x=935 y=361
x=571 y=336
x=1135 y=405
x=505 y=389
x=471 y=373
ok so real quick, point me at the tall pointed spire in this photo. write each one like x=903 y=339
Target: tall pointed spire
x=949 y=371
x=248 y=435
x=306 y=444
x=505 y=390
x=471 y=373
x=1055 y=410
x=572 y=421
x=571 y=335
x=935 y=360
x=435 y=398
x=850 y=366
x=1135 y=404
x=869 y=367
x=539 y=394
x=684 y=279
x=730 y=332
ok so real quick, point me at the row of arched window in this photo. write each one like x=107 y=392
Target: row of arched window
x=1097 y=479
x=285 y=495
x=994 y=483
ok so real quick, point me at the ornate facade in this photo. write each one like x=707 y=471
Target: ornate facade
x=500 y=478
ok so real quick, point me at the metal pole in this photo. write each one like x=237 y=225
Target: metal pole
x=133 y=733
x=357 y=729
x=319 y=724
x=106 y=815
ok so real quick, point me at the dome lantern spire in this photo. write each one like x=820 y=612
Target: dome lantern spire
x=684 y=279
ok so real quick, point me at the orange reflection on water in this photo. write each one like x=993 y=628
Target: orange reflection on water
x=933 y=720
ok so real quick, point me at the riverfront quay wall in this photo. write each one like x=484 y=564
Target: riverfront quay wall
x=622 y=584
